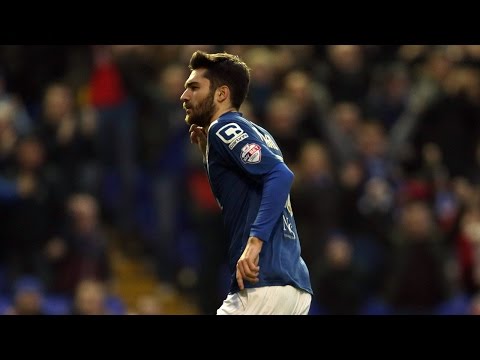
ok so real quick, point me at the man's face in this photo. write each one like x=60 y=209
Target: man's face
x=198 y=100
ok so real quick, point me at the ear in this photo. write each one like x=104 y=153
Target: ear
x=223 y=93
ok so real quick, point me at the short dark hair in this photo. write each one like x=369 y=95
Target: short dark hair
x=224 y=69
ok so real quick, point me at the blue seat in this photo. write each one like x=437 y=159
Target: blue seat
x=56 y=305
x=115 y=305
x=375 y=306
x=5 y=303
x=457 y=305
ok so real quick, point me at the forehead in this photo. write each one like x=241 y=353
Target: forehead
x=198 y=76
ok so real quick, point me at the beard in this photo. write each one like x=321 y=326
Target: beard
x=202 y=113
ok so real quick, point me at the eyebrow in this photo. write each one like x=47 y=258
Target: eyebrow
x=190 y=83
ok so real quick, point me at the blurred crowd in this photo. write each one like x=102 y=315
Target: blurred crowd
x=384 y=142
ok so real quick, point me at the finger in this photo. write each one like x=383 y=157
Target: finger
x=247 y=271
x=252 y=266
x=200 y=133
x=240 y=269
x=197 y=129
x=240 y=280
x=193 y=129
x=241 y=273
x=193 y=134
x=251 y=279
x=193 y=138
x=244 y=271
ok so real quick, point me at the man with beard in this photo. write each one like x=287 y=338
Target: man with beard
x=251 y=184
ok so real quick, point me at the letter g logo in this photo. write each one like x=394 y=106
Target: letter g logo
x=229 y=132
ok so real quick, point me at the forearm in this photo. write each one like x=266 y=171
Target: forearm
x=277 y=184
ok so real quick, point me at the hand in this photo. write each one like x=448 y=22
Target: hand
x=199 y=137
x=247 y=265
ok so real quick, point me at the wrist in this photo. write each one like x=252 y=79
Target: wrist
x=253 y=240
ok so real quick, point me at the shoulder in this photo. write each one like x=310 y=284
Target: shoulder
x=227 y=130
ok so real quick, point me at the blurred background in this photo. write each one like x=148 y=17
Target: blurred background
x=105 y=207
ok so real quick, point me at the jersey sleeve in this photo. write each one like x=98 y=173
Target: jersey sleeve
x=244 y=146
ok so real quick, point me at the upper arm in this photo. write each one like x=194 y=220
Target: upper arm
x=242 y=145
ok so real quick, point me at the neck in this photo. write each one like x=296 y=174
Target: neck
x=220 y=112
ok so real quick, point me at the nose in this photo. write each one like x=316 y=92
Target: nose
x=184 y=97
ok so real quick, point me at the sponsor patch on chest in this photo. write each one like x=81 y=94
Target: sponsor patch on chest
x=251 y=154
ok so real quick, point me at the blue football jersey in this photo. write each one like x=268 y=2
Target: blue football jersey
x=240 y=154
